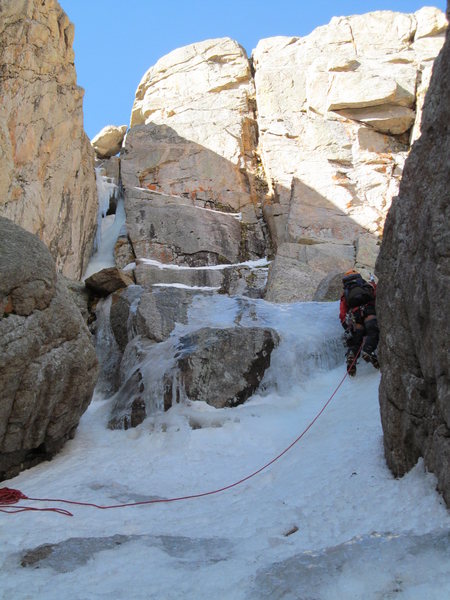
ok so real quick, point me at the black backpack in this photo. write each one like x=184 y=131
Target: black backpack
x=357 y=291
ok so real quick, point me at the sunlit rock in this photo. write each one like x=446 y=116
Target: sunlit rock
x=335 y=113
x=108 y=141
x=47 y=182
x=197 y=130
x=388 y=118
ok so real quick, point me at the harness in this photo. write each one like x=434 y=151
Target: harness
x=359 y=313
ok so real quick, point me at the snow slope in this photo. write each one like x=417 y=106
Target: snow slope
x=327 y=521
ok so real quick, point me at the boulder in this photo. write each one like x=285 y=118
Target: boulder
x=204 y=365
x=412 y=298
x=222 y=367
x=153 y=315
x=48 y=366
x=107 y=281
x=141 y=323
x=28 y=276
x=108 y=141
x=47 y=182
x=330 y=288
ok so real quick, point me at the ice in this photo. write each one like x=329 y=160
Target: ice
x=355 y=532
x=372 y=566
x=107 y=350
x=109 y=227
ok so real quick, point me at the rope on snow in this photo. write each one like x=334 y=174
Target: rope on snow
x=9 y=497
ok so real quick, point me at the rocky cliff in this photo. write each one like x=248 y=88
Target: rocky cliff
x=413 y=296
x=305 y=141
x=47 y=182
x=336 y=112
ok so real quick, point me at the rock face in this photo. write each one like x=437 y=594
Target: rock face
x=412 y=298
x=47 y=182
x=173 y=241
x=306 y=141
x=169 y=229
x=48 y=366
x=189 y=164
x=334 y=111
x=193 y=128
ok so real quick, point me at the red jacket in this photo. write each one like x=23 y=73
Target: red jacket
x=343 y=307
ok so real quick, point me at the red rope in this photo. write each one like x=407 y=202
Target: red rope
x=10 y=496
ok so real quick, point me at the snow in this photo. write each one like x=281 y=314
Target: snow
x=253 y=264
x=182 y=286
x=361 y=534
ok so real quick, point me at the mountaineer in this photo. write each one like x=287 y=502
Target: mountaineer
x=358 y=317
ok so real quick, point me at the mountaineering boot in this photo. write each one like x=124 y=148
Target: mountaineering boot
x=370 y=357
x=351 y=363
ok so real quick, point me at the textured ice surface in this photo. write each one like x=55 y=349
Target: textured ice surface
x=376 y=566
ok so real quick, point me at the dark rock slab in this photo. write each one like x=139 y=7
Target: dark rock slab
x=169 y=229
x=413 y=297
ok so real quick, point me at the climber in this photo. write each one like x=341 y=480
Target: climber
x=358 y=318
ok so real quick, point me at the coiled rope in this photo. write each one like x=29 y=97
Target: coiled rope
x=9 y=497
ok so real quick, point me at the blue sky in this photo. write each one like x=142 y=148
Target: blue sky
x=116 y=41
